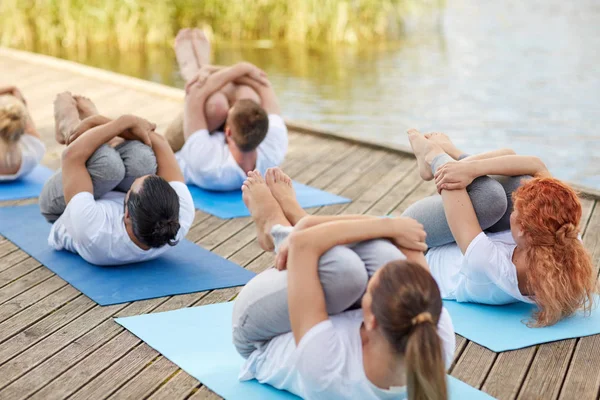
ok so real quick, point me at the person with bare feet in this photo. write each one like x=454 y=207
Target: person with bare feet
x=120 y=197
x=300 y=326
x=21 y=147
x=486 y=250
x=231 y=122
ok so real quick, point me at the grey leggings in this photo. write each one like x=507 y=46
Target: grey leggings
x=261 y=309
x=110 y=169
x=491 y=198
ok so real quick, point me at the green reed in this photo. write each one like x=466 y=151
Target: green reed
x=134 y=23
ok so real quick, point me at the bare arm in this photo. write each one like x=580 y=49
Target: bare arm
x=490 y=154
x=511 y=165
x=266 y=93
x=461 y=217
x=168 y=168
x=75 y=175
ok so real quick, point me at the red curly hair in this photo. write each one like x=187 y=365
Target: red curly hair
x=560 y=273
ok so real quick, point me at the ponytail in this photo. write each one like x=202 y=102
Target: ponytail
x=407 y=306
x=425 y=368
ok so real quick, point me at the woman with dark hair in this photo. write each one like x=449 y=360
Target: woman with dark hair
x=21 y=148
x=298 y=324
x=503 y=240
x=120 y=196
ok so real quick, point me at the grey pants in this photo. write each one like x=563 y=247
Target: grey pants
x=491 y=198
x=261 y=309
x=110 y=169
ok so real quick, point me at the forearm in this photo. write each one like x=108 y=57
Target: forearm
x=223 y=76
x=327 y=235
x=267 y=95
x=313 y=220
x=168 y=168
x=490 y=154
x=510 y=165
x=461 y=217
x=82 y=148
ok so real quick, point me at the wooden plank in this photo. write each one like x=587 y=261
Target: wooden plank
x=18 y=270
x=549 y=366
x=24 y=283
x=34 y=313
x=75 y=342
x=26 y=299
x=474 y=365
x=177 y=388
x=118 y=373
x=147 y=381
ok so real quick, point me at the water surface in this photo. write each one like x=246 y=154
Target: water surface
x=520 y=74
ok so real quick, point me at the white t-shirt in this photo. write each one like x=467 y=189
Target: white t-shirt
x=32 y=152
x=327 y=363
x=206 y=162
x=95 y=229
x=485 y=274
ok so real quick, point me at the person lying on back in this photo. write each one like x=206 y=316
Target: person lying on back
x=120 y=197
x=231 y=122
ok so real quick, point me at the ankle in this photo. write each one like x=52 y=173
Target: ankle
x=438 y=160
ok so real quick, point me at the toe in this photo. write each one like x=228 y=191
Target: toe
x=270 y=176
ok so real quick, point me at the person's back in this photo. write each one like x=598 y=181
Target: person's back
x=328 y=363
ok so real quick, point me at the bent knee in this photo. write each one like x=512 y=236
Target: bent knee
x=344 y=278
x=106 y=165
x=489 y=201
x=243 y=92
x=217 y=106
x=139 y=159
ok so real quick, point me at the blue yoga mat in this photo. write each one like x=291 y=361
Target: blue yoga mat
x=27 y=186
x=199 y=341
x=503 y=328
x=186 y=268
x=230 y=205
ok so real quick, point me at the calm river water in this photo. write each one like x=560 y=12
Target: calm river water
x=523 y=74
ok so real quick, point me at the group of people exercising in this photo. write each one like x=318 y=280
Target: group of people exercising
x=353 y=306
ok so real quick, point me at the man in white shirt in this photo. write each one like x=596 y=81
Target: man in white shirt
x=117 y=200
x=231 y=122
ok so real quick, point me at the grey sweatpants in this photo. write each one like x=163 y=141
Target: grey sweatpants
x=491 y=198
x=110 y=169
x=261 y=312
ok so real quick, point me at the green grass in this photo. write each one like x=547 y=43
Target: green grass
x=135 y=23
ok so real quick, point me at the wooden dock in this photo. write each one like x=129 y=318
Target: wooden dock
x=56 y=343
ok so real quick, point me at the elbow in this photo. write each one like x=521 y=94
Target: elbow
x=541 y=168
x=300 y=241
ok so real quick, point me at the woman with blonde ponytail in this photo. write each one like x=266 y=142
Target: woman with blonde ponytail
x=21 y=149
x=345 y=314
x=499 y=240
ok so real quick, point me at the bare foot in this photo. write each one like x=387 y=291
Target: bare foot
x=185 y=53
x=85 y=107
x=425 y=151
x=201 y=47
x=66 y=116
x=281 y=188
x=442 y=140
x=263 y=207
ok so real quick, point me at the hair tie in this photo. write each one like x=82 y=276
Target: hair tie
x=421 y=318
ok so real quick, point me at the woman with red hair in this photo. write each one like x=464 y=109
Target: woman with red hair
x=530 y=250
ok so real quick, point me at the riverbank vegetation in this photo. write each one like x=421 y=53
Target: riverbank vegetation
x=136 y=23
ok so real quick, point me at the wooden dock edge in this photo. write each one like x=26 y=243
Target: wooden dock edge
x=178 y=94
